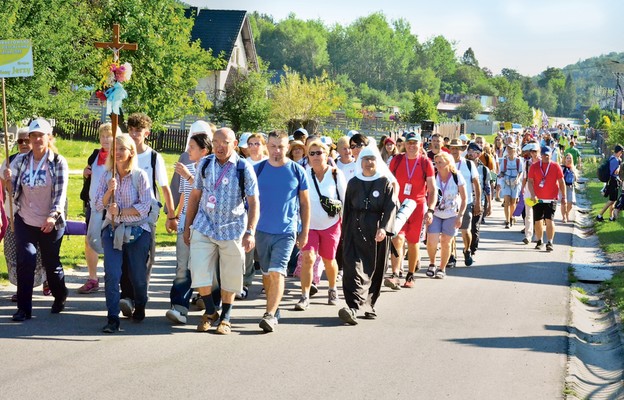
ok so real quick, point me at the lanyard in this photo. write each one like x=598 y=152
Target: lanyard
x=410 y=174
x=222 y=175
x=542 y=171
x=443 y=188
x=34 y=174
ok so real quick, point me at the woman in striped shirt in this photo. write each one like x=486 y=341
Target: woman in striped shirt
x=126 y=235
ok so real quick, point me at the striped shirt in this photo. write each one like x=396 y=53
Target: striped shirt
x=185 y=189
x=126 y=196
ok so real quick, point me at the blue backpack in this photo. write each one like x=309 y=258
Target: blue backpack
x=568 y=176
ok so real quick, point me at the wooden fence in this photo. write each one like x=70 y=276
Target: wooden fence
x=173 y=140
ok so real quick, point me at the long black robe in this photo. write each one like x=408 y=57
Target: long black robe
x=369 y=205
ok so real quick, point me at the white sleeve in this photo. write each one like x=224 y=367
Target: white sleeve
x=161 y=172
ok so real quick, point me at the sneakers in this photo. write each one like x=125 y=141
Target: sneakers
x=538 y=246
x=392 y=282
x=549 y=246
x=21 y=316
x=525 y=241
x=175 y=316
x=139 y=314
x=268 y=323
x=611 y=219
x=468 y=259
x=452 y=262
x=409 y=281
x=242 y=295
x=313 y=290
x=506 y=225
x=339 y=277
x=440 y=274
x=599 y=218
x=332 y=297
x=126 y=307
x=46 y=289
x=303 y=304
x=224 y=328
x=348 y=316
x=90 y=286
x=112 y=326
x=207 y=321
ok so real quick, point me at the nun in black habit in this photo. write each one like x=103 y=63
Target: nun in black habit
x=369 y=212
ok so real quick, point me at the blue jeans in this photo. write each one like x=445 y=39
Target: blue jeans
x=133 y=255
x=181 y=291
x=27 y=238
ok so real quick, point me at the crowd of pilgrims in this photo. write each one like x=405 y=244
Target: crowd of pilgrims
x=352 y=211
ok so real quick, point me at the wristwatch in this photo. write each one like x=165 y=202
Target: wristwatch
x=431 y=210
x=250 y=232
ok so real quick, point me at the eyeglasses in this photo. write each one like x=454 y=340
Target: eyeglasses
x=356 y=146
x=316 y=153
x=257 y=144
x=23 y=141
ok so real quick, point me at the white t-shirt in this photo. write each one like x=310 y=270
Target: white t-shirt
x=469 y=175
x=319 y=219
x=348 y=170
x=97 y=171
x=252 y=162
x=449 y=201
x=145 y=163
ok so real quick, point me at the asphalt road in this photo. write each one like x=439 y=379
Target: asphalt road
x=496 y=330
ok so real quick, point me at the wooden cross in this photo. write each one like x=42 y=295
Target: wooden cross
x=116 y=46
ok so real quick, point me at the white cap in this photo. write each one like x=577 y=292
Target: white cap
x=242 y=141
x=464 y=138
x=40 y=125
x=326 y=140
x=201 y=126
x=352 y=132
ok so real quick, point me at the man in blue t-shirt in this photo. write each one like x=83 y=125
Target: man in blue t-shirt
x=612 y=187
x=284 y=202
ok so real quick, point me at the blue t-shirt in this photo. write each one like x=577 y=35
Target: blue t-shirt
x=279 y=189
x=614 y=163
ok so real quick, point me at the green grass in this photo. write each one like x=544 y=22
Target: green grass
x=72 y=249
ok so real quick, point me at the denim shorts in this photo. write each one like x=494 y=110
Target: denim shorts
x=274 y=251
x=444 y=226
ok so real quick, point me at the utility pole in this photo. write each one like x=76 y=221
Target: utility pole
x=619 y=93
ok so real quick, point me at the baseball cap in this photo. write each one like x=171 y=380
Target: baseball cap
x=464 y=138
x=352 y=132
x=475 y=147
x=531 y=147
x=545 y=150
x=40 y=125
x=412 y=136
x=242 y=141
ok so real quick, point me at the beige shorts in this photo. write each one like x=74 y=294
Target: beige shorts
x=206 y=253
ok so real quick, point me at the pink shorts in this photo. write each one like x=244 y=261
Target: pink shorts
x=324 y=242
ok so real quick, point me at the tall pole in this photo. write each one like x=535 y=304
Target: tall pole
x=6 y=152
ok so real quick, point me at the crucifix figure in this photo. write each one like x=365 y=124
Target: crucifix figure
x=116 y=46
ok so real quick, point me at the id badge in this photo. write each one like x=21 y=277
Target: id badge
x=408 y=189
x=211 y=203
x=542 y=183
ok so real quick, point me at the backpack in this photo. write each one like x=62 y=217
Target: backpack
x=240 y=168
x=399 y=157
x=505 y=165
x=603 y=171
x=86 y=184
x=568 y=176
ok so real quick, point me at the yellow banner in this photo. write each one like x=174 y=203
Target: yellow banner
x=16 y=58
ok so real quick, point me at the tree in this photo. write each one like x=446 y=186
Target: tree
x=470 y=108
x=297 y=100
x=469 y=58
x=439 y=55
x=593 y=114
x=567 y=101
x=373 y=97
x=424 y=79
x=424 y=108
x=246 y=105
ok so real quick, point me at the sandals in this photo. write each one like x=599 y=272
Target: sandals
x=224 y=328
x=431 y=271
x=440 y=274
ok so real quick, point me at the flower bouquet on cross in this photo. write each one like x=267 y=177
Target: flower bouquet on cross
x=110 y=88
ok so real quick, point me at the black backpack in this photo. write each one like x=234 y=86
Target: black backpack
x=240 y=168
x=603 y=171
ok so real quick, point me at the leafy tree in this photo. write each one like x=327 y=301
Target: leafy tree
x=424 y=108
x=245 y=104
x=511 y=74
x=616 y=133
x=297 y=100
x=373 y=97
x=439 y=55
x=593 y=114
x=469 y=58
x=470 y=108
x=426 y=80
x=549 y=75
x=567 y=100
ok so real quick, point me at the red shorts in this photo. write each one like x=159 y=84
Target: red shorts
x=324 y=242
x=413 y=228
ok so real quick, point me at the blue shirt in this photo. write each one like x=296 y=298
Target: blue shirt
x=614 y=163
x=227 y=219
x=279 y=196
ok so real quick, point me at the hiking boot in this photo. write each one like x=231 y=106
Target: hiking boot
x=303 y=304
x=126 y=307
x=538 y=246
x=348 y=315
x=58 y=306
x=139 y=314
x=549 y=246
x=332 y=297
x=525 y=241
x=21 y=316
x=90 y=286
x=392 y=282
x=268 y=323
x=207 y=321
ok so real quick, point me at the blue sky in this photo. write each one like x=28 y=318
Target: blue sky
x=526 y=35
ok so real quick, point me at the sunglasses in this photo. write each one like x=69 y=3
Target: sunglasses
x=356 y=146
x=316 y=153
x=23 y=141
